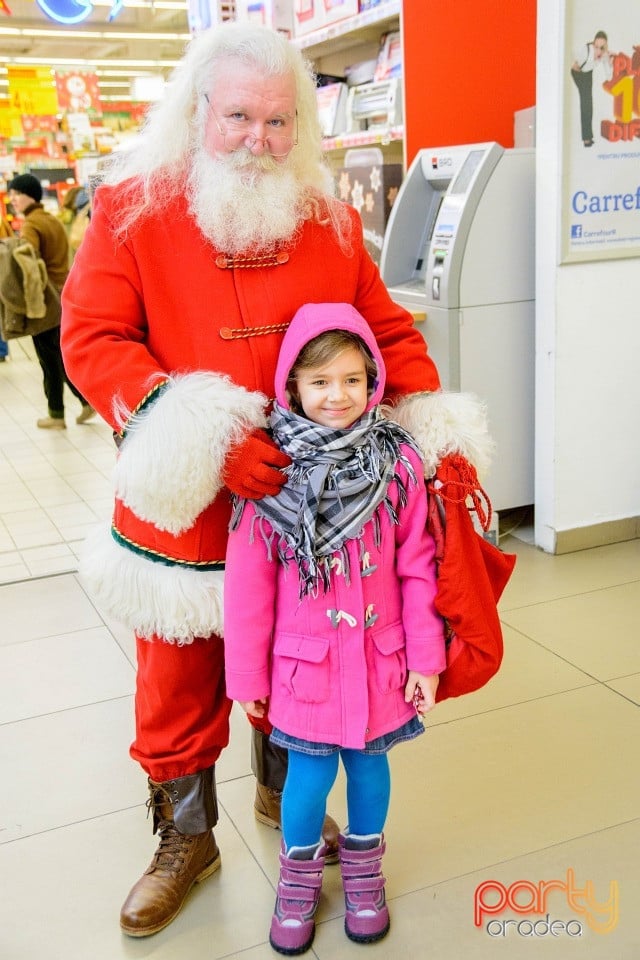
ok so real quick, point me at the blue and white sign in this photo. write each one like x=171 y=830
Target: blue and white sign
x=74 y=11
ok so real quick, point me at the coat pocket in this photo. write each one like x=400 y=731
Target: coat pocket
x=302 y=666
x=390 y=663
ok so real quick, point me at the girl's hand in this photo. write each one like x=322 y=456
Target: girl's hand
x=422 y=690
x=255 y=708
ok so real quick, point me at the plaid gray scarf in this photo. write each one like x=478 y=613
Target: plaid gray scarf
x=335 y=485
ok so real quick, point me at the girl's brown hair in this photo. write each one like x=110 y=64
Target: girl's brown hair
x=323 y=349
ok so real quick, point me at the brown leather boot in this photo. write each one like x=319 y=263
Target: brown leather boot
x=269 y=766
x=267 y=808
x=181 y=860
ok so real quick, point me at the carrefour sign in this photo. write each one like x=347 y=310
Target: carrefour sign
x=74 y=11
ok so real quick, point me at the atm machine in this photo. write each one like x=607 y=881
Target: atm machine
x=458 y=253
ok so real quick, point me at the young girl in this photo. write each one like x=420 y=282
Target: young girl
x=330 y=624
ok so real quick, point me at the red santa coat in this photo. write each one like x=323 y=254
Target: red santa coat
x=163 y=307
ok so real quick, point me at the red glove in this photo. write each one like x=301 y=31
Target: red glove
x=253 y=468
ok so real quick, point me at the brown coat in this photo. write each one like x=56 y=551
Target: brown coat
x=48 y=238
x=29 y=303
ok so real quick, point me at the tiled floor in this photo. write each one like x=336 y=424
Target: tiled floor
x=535 y=778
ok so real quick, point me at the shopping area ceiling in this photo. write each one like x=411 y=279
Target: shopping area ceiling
x=137 y=34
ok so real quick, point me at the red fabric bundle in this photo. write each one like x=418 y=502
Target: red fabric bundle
x=472 y=573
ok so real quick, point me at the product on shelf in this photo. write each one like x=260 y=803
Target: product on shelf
x=371 y=186
x=310 y=15
x=277 y=14
x=374 y=106
x=332 y=103
x=389 y=63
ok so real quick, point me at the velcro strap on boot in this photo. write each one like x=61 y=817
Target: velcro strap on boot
x=367 y=868
x=297 y=892
x=363 y=884
x=308 y=874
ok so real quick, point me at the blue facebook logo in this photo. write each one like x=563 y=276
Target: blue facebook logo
x=576 y=231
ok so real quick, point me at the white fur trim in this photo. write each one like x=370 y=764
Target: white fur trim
x=176 y=603
x=445 y=423
x=170 y=463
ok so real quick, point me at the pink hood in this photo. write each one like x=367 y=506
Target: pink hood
x=316 y=318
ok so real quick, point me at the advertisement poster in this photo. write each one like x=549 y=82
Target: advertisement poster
x=78 y=91
x=32 y=90
x=601 y=149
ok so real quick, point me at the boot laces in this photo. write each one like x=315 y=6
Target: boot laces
x=157 y=797
x=172 y=850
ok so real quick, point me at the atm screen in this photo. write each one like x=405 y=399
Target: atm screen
x=434 y=218
x=467 y=170
x=420 y=271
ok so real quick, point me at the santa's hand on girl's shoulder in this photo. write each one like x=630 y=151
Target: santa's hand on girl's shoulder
x=254 y=467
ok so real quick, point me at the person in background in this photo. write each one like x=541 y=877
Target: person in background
x=586 y=59
x=330 y=621
x=48 y=238
x=67 y=212
x=207 y=234
x=6 y=232
x=76 y=215
x=68 y=206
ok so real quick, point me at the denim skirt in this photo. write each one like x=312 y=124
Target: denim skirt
x=408 y=731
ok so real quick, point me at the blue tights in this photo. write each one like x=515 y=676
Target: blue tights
x=309 y=780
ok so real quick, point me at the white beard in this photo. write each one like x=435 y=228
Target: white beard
x=244 y=203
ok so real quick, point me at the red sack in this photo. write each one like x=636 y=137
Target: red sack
x=472 y=573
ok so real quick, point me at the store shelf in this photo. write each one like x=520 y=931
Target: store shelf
x=339 y=45
x=344 y=141
x=347 y=33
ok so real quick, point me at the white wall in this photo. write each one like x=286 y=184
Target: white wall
x=587 y=344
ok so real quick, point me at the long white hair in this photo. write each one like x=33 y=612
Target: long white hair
x=158 y=162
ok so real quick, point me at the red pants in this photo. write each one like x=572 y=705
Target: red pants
x=182 y=710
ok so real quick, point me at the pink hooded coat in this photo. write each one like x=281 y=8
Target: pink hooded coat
x=341 y=684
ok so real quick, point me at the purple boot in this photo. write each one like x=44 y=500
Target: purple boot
x=292 y=925
x=367 y=916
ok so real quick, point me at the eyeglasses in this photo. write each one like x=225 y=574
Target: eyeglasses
x=236 y=134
